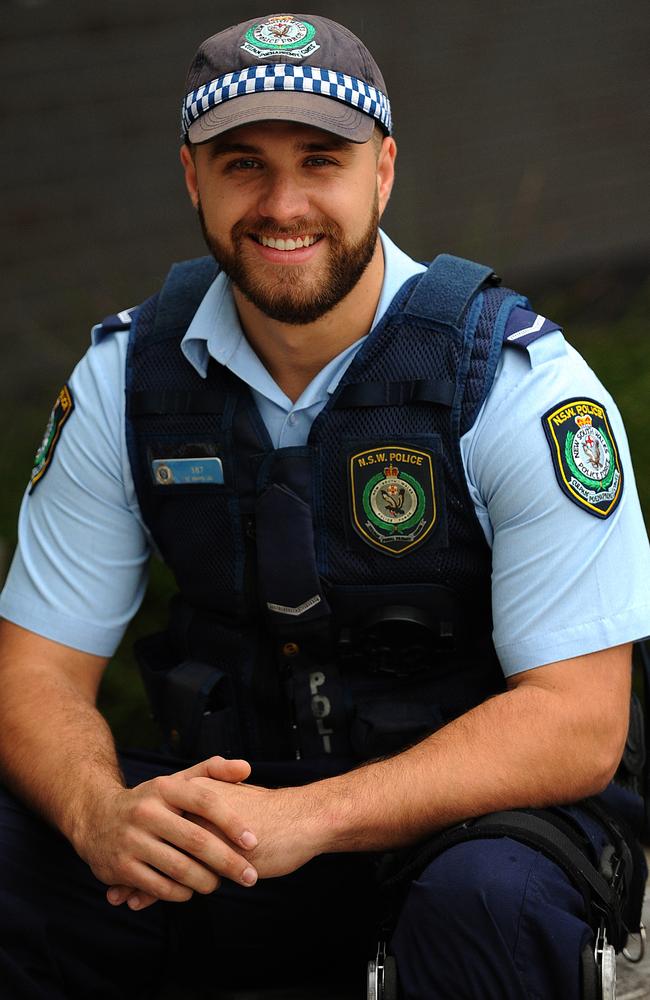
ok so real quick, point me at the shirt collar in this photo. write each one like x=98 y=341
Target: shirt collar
x=215 y=332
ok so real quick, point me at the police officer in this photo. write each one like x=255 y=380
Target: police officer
x=411 y=562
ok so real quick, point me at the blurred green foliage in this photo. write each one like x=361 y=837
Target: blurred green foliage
x=617 y=349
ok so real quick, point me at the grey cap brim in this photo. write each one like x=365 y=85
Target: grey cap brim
x=306 y=108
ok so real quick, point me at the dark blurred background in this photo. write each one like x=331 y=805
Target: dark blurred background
x=522 y=130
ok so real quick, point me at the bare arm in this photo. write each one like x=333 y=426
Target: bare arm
x=57 y=754
x=556 y=735
x=56 y=750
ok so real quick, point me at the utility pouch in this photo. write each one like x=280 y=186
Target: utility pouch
x=381 y=726
x=192 y=702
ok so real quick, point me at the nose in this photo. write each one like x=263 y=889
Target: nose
x=283 y=198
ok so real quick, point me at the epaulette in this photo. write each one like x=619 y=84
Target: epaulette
x=116 y=321
x=524 y=326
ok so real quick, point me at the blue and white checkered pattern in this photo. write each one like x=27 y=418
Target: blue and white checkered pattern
x=280 y=76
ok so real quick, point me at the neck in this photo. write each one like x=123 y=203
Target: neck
x=293 y=355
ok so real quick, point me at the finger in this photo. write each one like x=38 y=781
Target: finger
x=204 y=845
x=140 y=901
x=147 y=882
x=203 y=798
x=227 y=770
x=220 y=768
x=118 y=894
x=182 y=868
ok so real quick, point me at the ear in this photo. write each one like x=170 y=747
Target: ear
x=385 y=171
x=189 y=169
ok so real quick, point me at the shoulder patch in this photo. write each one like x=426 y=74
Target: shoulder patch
x=524 y=326
x=61 y=410
x=585 y=456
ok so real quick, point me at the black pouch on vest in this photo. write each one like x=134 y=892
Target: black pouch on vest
x=382 y=727
x=191 y=701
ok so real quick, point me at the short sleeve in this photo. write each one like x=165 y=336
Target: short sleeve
x=79 y=571
x=565 y=579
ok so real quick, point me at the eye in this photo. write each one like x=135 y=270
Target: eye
x=243 y=163
x=319 y=161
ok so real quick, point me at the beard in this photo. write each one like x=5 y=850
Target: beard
x=295 y=294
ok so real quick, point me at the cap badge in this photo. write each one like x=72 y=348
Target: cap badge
x=281 y=35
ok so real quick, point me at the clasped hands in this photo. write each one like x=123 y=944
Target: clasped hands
x=182 y=833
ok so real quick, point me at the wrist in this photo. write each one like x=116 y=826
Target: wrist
x=331 y=814
x=87 y=814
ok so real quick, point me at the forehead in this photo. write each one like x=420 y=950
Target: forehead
x=277 y=134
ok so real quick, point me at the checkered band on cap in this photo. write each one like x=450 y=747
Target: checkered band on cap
x=280 y=76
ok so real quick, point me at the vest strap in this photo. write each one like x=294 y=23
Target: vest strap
x=446 y=289
x=181 y=295
x=147 y=403
x=357 y=395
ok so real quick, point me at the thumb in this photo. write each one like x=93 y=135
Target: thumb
x=228 y=770
x=219 y=768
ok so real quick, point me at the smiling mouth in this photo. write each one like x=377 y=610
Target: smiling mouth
x=279 y=243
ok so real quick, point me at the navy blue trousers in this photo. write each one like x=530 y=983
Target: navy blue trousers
x=487 y=919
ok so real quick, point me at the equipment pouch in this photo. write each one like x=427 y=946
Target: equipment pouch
x=382 y=726
x=191 y=701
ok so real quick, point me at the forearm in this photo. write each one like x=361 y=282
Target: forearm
x=58 y=755
x=526 y=747
x=56 y=750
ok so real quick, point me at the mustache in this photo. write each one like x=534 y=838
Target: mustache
x=262 y=227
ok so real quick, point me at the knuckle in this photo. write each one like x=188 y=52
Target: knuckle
x=169 y=892
x=142 y=811
x=179 y=868
x=211 y=883
x=162 y=783
x=234 y=866
x=196 y=839
x=203 y=796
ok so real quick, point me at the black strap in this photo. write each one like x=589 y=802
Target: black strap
x=541 y=832
x=430 y=391
x=181 y=295
x=151 y=402
x=547 y=837
x=447 y=288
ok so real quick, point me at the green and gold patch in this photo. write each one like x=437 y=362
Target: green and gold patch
x=393 y=497
x=585 y=456
x=61 y=410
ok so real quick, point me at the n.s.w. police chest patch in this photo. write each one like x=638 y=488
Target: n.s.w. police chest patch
x=585 y=455
x=393 y=497
x=61 y=410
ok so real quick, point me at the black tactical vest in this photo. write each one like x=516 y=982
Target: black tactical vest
x=334 y=599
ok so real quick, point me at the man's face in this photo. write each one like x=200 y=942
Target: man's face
x=290 y=212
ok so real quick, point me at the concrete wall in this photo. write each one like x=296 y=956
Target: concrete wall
x=519 y=126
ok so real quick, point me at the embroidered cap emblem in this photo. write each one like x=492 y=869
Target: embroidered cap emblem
x=281 y=35
x=61 y=410
x=393 y=497
x=585 y=456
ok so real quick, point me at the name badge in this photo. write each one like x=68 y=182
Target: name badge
x=186 y=471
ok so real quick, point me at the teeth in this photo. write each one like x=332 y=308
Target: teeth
x=288 y=244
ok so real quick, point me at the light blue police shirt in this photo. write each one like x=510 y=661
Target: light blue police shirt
x=563 y=583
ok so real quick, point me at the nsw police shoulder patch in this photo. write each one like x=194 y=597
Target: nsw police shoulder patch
x=393 y=497
x=61 y=410
x=585 y=456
